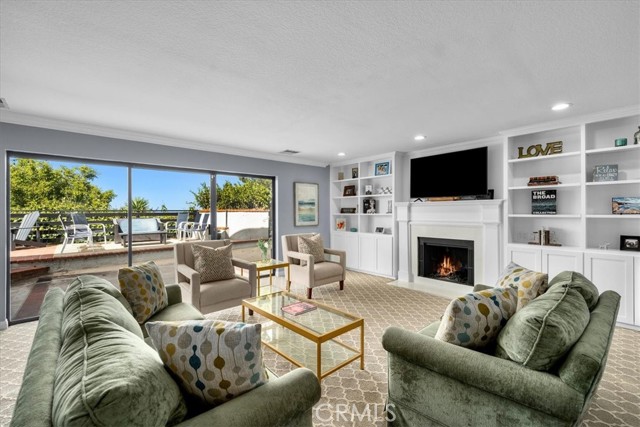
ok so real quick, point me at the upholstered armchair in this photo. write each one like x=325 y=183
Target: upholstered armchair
x=307 y=270
x=215 y=295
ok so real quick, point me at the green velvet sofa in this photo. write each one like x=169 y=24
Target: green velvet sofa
x=434 y=383
x=89 y=364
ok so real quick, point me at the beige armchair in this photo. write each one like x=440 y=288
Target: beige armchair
x=313 y=273
x=212 y=296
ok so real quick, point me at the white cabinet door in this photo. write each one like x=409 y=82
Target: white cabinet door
x=613 y=272
x=384 y=255
x=368 y=257
x=636 y=270
x=555 y=261
x=338 y=242
x=353 y=250
x=530 y=258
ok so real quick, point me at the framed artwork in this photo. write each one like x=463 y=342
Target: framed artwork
x=380 y=230
x=349 y=190
x=630 y=243
x=348 y=210
x=382 y=168
x=305 y=200
x=625 y=205
x=354 y=173
x=341 y=224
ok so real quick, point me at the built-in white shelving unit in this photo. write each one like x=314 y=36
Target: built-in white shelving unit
x=367 y=250
x=584 y=223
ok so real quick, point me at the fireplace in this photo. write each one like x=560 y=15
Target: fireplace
x=449 y=260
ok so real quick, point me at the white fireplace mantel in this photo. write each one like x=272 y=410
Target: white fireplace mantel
x=485 y=216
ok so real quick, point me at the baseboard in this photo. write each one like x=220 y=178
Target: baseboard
x=4 y=325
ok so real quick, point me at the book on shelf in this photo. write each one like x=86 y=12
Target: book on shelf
x=543 y=202
x=299 y=307
x=543 y=180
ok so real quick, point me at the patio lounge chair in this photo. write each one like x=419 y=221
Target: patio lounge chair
x=75 y=231
x=199 y=228
x=181 y=225
x=80 y=220
x=20 y=234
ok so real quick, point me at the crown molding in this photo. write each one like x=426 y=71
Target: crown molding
x=574 y=121
x=7 y=116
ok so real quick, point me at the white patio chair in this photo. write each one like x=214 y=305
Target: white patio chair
x=73 y=232
x=80 y=221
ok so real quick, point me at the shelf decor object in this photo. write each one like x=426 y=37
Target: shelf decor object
x=382 y=168
x=341 y=224
x=543 y=180
x=603 y=173
x=348 y=210
x=305 y=197
x=354 y=173
x=544 y=202
x=630 y=243
x=636 y=137
x=621 y=142
x=536 y=150
x=340 y=176
x=625 y=205
x=349 y=190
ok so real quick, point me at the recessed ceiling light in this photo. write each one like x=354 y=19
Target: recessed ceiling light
x=341 y=154
x=419 y=137
x=561 y=106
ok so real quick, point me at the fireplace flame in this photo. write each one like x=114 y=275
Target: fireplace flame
x=448 y=266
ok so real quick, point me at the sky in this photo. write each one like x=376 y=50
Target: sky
x=160 y=187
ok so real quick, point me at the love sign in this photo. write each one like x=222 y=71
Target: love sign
x=537 y=150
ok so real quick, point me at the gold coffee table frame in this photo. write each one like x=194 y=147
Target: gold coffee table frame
x=297 y=334
x=271 y=265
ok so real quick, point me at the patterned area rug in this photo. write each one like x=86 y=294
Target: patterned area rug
x=354 y=397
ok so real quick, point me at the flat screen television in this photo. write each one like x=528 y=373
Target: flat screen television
x=461 y=173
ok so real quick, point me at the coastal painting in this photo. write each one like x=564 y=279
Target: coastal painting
x=626 y=205
x=306 y=204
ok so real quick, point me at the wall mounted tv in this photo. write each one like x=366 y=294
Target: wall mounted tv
x=461 y=173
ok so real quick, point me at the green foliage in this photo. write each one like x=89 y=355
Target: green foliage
x=249 y=193
x=36 y=185
x=202 y=197
x=138 y=205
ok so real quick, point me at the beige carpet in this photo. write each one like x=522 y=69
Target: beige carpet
x=617 y=402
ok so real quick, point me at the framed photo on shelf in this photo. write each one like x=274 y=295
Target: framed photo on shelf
x=349 y=190
x=348 y=210
x=354 y=173
x=379 y=230
x=382 y=168
x=305 y=199
x=625 y=205
x=341 y=224
x=630 y=243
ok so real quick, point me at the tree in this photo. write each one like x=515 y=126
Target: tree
x=138 y=205
x=249 y=193
x=37 y=185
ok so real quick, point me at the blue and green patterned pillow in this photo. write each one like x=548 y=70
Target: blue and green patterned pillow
x=143 y=287
x=530 y=284
x=214 y=360
x=474 y=320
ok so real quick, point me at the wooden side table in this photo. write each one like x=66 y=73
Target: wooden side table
x=271 y=265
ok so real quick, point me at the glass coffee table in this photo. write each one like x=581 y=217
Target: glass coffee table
x=308 y=339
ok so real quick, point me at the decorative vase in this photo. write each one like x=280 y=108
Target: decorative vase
x=264 y=256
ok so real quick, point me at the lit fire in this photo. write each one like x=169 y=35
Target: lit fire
x=448 y=266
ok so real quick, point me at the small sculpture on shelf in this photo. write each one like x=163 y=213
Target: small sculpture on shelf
x=636 y=137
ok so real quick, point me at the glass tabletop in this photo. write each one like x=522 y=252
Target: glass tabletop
x=269 y=263
x=322 y=320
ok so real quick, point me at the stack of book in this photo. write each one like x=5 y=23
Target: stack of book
x=543 y=180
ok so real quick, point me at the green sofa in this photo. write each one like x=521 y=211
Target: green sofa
x=434 y=383
x=90 y=365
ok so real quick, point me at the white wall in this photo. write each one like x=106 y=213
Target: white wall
x=494 y=163
x=26 y=139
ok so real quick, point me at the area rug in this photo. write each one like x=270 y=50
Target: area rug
x=354 y=397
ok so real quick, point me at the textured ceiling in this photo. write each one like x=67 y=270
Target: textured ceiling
x=316 y=77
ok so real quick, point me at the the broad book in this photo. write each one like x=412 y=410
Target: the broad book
x=543 y=202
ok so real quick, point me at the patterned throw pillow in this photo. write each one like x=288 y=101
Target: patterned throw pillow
x=530 y=284
x=143 y=287
x=214 y=360
x=313 y=246
x=474 y=320
x=213 y=264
